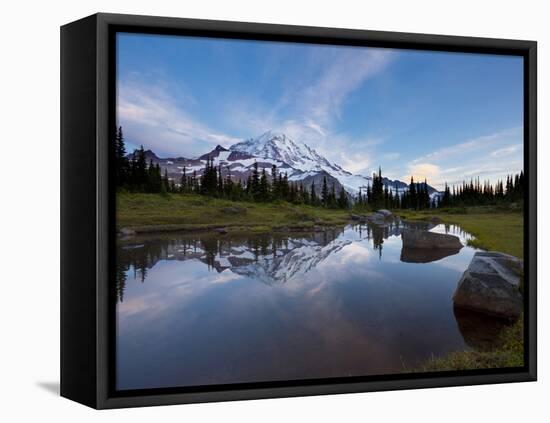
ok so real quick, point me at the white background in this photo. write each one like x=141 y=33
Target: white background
x=29 y=208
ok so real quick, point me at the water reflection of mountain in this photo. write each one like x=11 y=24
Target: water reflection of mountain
x=272 y=258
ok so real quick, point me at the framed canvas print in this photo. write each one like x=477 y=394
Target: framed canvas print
x=254 y=211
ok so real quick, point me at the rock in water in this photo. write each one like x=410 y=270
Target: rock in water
x=376 y=217
x=424 y=239
x=127 y=232
x=386 y=213
x=491 y=285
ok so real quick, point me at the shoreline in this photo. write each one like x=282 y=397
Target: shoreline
x=494 y=228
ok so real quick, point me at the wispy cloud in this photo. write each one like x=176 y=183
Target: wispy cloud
x=309 y=108
x=484 y=142
x=506 y=151
x=321 y=101
x=152 y=117
x=489 y=157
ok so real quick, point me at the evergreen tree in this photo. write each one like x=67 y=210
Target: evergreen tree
x=313 y=196
x=413 y=201
x=332 y=197
x=166 y=181
x=183 y=182
x=275 y=191
x=342 y=199
x=285 y=187
x=376 y=197
x=121 y=161
x=263 y=190
x=153 y=177
x=446 y=199
x=324 y=193
x=220 y=181
x=255 y=182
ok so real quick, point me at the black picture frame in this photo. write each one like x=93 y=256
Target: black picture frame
x=87 y=208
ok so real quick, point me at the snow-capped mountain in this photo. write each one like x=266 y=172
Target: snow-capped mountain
x=301 y=163
x=278 y=146
x=304 y=160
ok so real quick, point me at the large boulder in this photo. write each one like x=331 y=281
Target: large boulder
x=380 y=217
x=491 y=284
x=386 y=213
x=423 y=239
x=376 y=217
x=126 y=232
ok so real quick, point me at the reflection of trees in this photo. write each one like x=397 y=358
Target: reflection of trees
x=276 y=255
x=145 y=252
x=120 y=279
x=378 y=233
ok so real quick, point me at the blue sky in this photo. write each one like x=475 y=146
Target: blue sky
x=444 y=116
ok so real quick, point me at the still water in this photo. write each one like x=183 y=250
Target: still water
x=204 y=308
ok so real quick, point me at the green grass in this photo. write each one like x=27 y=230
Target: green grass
x=155 y=213
x=508 y=353
x=494 y=229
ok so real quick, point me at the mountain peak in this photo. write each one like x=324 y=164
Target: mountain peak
x=278 y=146
x=214 y=153
x=269 y=135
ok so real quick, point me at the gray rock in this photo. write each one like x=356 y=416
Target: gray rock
x=221 y=231
x=126 y=232
x=356 y=217
x=490 y=285
x=234 y=210
x=424 y=239
x=386 y=213
x=376 y=218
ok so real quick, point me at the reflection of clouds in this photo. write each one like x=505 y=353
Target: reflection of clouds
x=452 y=230
x=167 y=286
x=357 y=253
x=459 y=262
x=351 y=313
x=133 y=306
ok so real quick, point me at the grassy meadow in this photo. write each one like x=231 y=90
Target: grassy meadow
x=494 y=229
x=171 y=212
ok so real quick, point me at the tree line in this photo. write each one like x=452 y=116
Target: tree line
x=476 y=193
x=381 y=194
x=134 y=174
